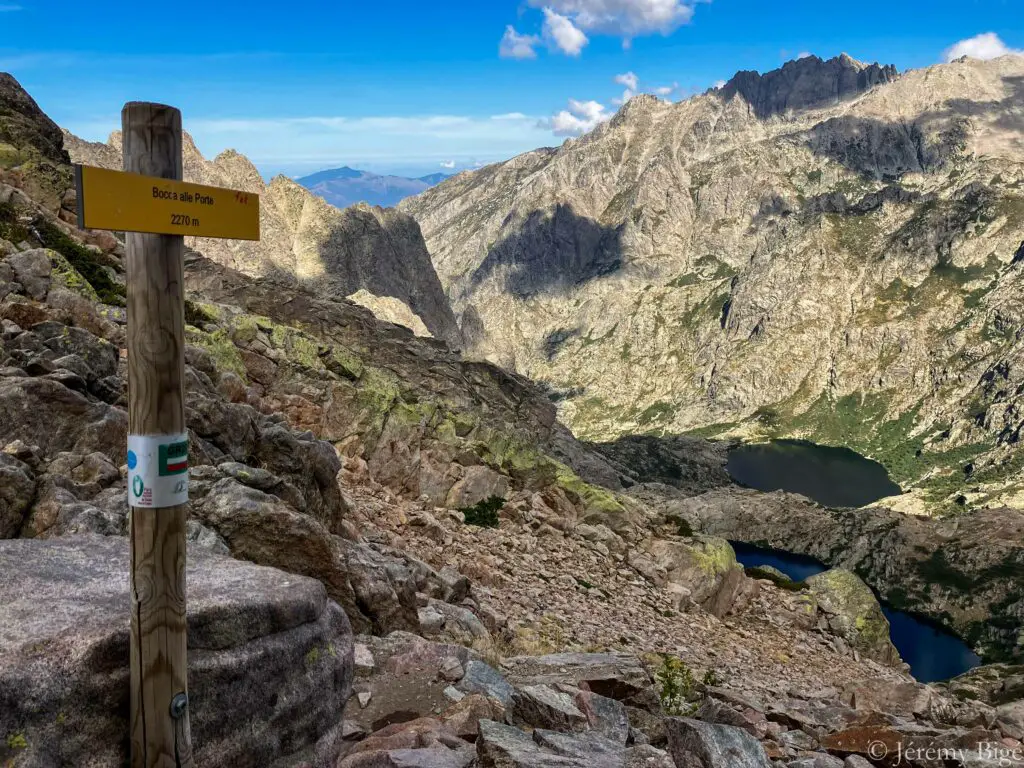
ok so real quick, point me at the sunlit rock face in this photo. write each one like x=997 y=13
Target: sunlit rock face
x=830 y=250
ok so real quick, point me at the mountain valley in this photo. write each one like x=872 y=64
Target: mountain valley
x=459 y=485
x=829 y=251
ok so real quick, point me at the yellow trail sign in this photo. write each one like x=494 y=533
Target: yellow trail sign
x=130 y=202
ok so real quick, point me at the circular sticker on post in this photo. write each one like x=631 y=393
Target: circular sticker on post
x=157 y=470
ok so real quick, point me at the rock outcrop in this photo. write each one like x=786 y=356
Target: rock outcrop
x=807 y=83
x=420 y=704
x=696 y=744
x=32 y=143
x=828 y=250
x=270 y=658
x=964 y=572
x=853 y=614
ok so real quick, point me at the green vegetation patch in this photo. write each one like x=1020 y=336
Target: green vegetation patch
x=84 y=261
x=484 y=514
x=197 y=313
x=17 y=741
x=863 y=424
x=593 y=498
x=588 y=340
x=221 y=348
x=712 y=430
x=657 y=412
x=10 y=156
x=684 y=280
x=71 y=278
x=677 y=687
x=10 y=228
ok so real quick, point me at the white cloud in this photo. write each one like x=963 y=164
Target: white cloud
x=510 y=116
x=629 y=79
x=581 y=117
x=803 y=54
x=666 y=90
x=567 y=23
x=719 y=84
x=562 y=34
x=632 y=83
x=622 y=18
x=985 y=46
x=517 y=46
x=449 y=164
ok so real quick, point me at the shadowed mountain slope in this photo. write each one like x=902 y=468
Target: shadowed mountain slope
x=830 y=250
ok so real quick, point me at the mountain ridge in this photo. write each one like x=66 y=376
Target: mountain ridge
x=807 y=82
x=766 y=275
x=305 y=239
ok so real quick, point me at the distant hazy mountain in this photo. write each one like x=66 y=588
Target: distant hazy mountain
x=342 y=187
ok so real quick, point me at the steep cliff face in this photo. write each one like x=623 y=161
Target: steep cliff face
x=806 y=83
x=31 y=142
x=828 y=250
x=305 y=240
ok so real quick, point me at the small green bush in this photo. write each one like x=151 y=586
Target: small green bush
x=17 y=741
x=678 y=688
x=683 y=527
x=484 y=514
x=711 y=679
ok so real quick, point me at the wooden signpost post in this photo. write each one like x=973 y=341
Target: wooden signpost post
x=156 y=209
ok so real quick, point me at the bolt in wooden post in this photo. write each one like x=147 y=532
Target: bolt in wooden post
x=160 y=735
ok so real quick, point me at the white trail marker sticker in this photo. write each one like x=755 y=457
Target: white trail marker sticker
x=157 y=470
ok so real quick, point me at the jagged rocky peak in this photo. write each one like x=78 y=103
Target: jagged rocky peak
x=639 y=107
x=94 y=152
x=806 y=83
x=307 y=241
x=238 y=166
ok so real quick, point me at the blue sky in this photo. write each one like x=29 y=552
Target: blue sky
x=415 y=87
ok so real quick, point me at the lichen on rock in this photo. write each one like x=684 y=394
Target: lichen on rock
x=852 y=612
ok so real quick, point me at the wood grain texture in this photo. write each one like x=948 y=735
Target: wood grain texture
x=156 y=369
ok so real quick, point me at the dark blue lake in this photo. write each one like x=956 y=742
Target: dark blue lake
x=833 y=477
x=932 y=652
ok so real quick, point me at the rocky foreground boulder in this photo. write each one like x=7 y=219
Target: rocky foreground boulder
x=270 y=658
x=439 y=705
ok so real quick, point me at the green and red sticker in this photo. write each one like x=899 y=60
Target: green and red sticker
x=174 y=458
x=157 y=470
